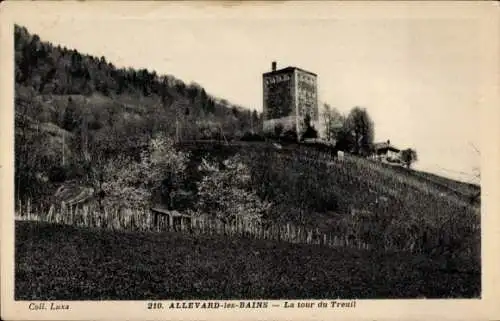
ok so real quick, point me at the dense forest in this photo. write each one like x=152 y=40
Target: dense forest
x=72 y=108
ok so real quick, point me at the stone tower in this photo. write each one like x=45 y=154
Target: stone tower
x=289 y=94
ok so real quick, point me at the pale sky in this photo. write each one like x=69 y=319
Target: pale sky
x=420 y=78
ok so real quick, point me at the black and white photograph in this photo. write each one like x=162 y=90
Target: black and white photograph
x=229 y=156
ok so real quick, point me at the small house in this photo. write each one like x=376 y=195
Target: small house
x=386 y=152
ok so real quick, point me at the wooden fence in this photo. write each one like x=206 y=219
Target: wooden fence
x=156 y=220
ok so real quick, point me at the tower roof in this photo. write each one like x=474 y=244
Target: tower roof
x=287 y=70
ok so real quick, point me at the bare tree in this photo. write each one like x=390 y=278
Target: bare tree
x=332 y=121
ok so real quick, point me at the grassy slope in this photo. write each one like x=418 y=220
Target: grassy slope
x=356 y=182
x=434 y=181
x=66 y=263
x=442 y=183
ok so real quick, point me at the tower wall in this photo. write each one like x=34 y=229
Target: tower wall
x=288 y=96
x=307 y=98
x=279 y=100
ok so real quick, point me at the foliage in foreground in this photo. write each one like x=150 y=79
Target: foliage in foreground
x=130 y=183
x=225 y=192
x=66 y=263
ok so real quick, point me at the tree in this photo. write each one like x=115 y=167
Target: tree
x=360 y=127
x=327 y=120
x=332 y=121
x=71 y=117
x=408 y=156
x=309 y=130
x=290 y=136
x=254 y=120
x=33 y=157
x=278 y=130
x=123 y=181
x=225 y=192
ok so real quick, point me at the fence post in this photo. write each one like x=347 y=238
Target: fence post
x=95 y=215
x=124 y=218
x=121 y=219
x=116 y=219
x=41 y=213
x=19 y=207
x=51 y=213
x=28 y=209
x=60 y=213
x=75 y=212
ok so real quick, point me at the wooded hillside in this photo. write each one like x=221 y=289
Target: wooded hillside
x=72 y=107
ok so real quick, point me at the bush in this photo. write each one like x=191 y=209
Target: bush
x=57 y=174
x=225 y=192
x=289 y=136
x=310 y=132
x=252 y=137
x=130 y=183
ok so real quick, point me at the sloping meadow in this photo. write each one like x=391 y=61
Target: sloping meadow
x=359 y=198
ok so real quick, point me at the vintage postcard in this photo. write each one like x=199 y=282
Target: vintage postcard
x=250 y=160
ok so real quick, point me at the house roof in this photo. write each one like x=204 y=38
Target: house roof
x=161 y=210
x=72 y=193
x=287 y=70
x=385 y=145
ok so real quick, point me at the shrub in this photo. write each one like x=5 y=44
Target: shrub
x=57 y=174
x=225 y=192
x=289 y=136
x=252 y=137
x=130 y=183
